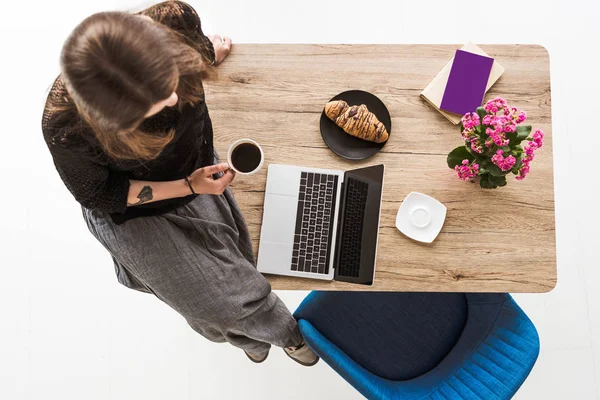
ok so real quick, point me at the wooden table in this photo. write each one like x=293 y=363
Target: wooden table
x=499 y=240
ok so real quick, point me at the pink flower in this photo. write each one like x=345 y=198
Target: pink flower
x=465 y=171
x=538 y=138
x=494 y=105
x=498 y=127
x=509 y=162
x=500 y=140
x=470 y=120
x=523 y=171
x=530 y=149
x=476 y=146
x=508 y=128
x=505 y=164
x=468 y=134
x=514 y=117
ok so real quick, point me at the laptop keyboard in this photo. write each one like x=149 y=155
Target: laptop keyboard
x=314 y=223
x=352 y=228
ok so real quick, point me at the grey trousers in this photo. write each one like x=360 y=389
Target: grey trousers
x=198 y=259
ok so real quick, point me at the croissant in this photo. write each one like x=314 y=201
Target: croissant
x=357 y=121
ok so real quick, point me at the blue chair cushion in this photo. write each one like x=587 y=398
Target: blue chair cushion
x=492 y=358
x=396 y=336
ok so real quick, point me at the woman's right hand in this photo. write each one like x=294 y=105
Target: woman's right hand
x=221 y=45
x=203 y=183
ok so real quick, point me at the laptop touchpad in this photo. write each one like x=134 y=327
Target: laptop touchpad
x=283 y=179
x=279 y=220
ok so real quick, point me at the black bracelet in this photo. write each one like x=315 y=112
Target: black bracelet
x=187 y=180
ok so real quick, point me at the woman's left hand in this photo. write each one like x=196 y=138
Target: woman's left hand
x=203 y=183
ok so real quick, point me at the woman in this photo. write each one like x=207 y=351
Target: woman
x=131 y=137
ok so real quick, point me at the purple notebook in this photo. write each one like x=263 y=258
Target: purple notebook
x=467 y=82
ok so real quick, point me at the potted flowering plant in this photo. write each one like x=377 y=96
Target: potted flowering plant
x=493 y=147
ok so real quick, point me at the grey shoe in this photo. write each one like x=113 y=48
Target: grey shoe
x=302 y=355
x=256 y=358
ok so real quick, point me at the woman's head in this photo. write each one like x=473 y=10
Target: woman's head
x=120 y=68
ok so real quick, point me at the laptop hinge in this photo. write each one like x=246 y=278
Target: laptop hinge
x=338 y=242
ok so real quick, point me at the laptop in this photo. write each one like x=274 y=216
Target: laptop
x=321 y=223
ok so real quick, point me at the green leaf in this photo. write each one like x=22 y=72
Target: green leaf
x=457 y=156
x=494 y=170
x=517 y=166
x=522 y=132
x=513 y=142
x=498 y=180
x=489 y=181
x=481 y=112
x=486 y=183
x=518 y=136
x=505 y=149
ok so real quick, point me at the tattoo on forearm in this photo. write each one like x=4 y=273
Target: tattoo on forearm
x=144 y=196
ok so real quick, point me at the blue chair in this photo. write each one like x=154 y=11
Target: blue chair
x=422 y=345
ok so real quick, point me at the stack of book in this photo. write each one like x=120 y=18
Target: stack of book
x=461 y=86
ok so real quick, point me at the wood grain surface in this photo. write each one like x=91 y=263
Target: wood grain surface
x=499 y=240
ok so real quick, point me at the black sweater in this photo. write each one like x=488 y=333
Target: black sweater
x=102 y=183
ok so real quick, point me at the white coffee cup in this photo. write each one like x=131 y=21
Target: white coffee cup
x=238 y=168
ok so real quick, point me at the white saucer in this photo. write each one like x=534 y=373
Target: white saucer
x=421 y=217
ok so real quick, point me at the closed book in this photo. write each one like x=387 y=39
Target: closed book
x=434 y=92
x=466 y=83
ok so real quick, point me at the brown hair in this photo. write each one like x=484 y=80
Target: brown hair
x=115 y=66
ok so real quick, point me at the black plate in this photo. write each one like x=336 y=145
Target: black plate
x=348 y=146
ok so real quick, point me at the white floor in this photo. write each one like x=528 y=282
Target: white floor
x=69 y=331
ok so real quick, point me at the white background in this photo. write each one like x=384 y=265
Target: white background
x=68 y=330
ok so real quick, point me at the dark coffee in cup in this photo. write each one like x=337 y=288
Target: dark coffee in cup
x=245 y=156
